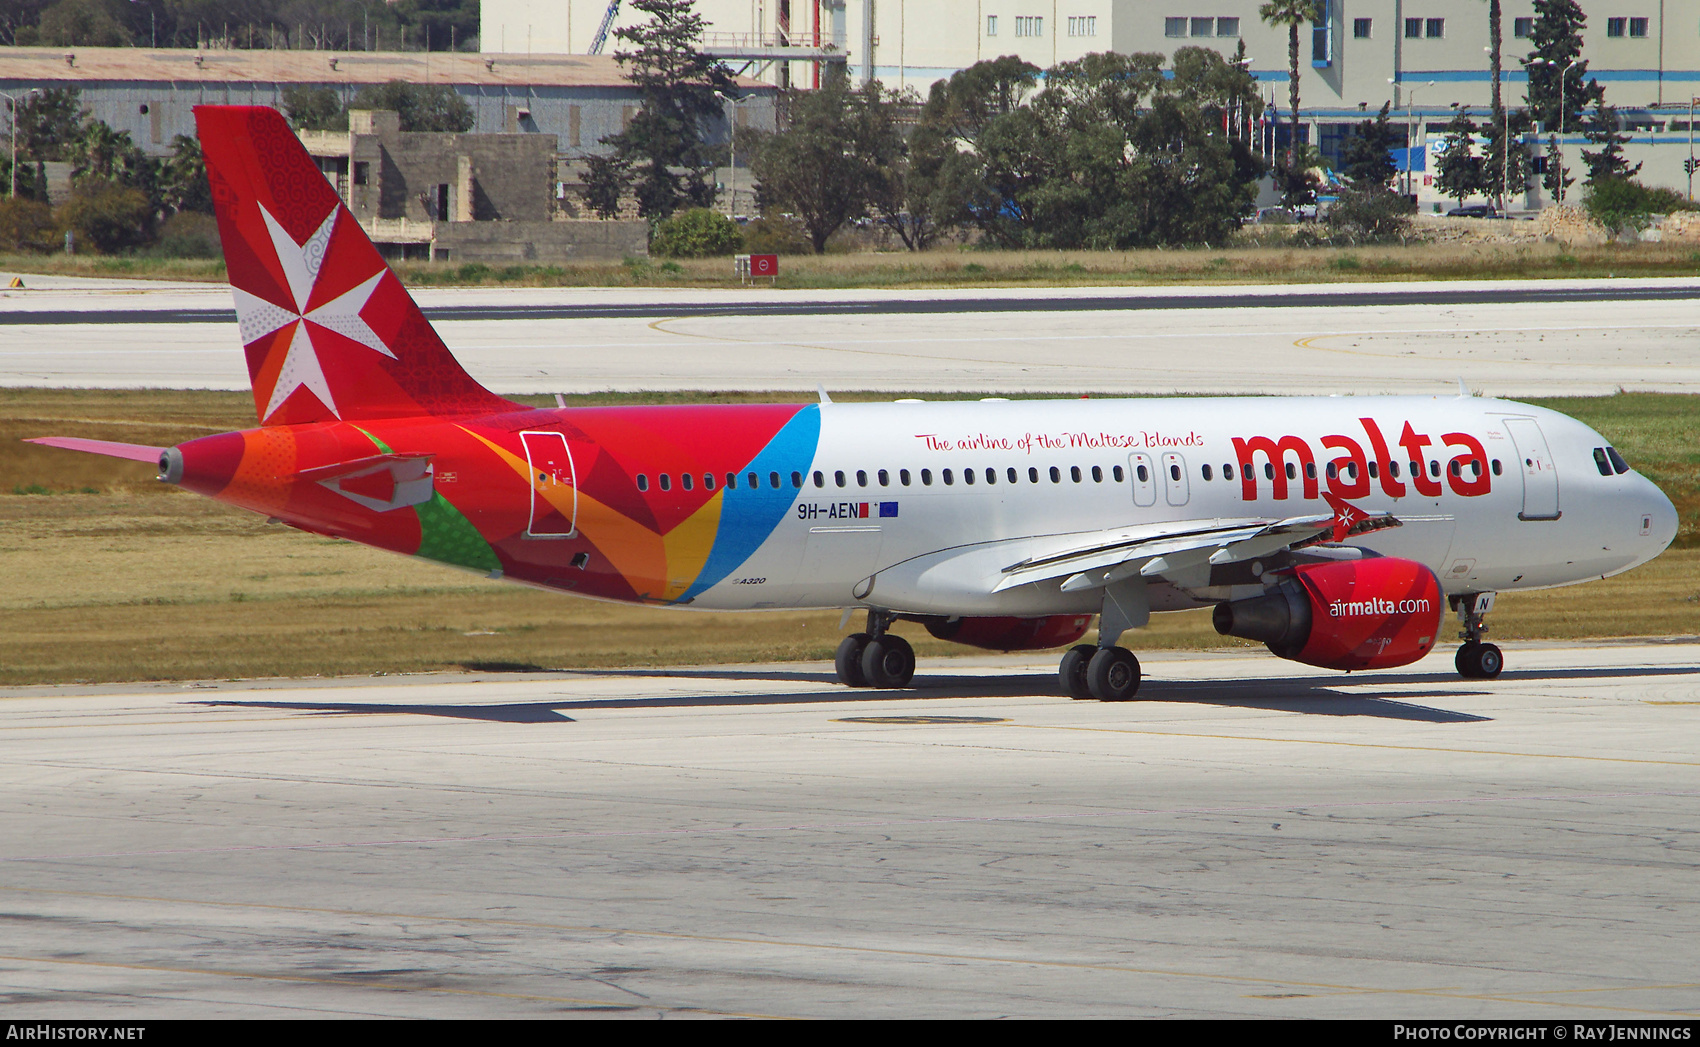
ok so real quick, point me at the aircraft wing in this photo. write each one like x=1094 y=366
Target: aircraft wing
x=1182 y=552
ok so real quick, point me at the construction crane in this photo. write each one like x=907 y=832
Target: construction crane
x=607 y=24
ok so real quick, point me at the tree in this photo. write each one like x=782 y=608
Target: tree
x=48 y=121
x=1292 y=14
x=1608 y=161
x=422 y=107
x=314 y=109
x=183 y=177
x=1366 y=158
x=663 y=153
x=1492 y=165
x=80 y=23
x=1460 y=169
x=824 y=167
x=108 y=216
x=696 y=233
x=1557 y=93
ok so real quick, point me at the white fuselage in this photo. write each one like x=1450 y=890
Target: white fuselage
x=888 y=517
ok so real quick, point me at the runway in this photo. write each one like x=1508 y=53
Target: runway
x=1503 y=338
x=1258 y=839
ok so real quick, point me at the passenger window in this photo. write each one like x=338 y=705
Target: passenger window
x=755 y=481
x=731 y=481
x=1352 y=470
x=1097 y=475
x=1032 y=475
x=1012 y=477
x=1174 y=473
x=1617 y=460
x=1269 y=470
x=1056 y=476
x=1416 y=468
x=967 y=477
x=861 y=478
x=1120 y=476
x=642 y=482
x=991 y=475
x=926 y=477
x=1496 y=467
x=838 y=477
x=820 y=478
x=946 y=477
x=708 y=481
x=796 y=479
x=1204 y=470
x=885 y=478
x=1227 y=471
x=1476 y=466
x=1310 y=470
x=685 y=480
x=1331 y=471
x=1292 y=471
x=773 y=480
x=1454 y=468
x=1392 y=469
x=903 y=477
x=1434 y=468
x=1074 y=473
x=1143 y=473
x=666 y=481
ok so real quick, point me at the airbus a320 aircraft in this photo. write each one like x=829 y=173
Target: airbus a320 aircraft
x=1336 y=530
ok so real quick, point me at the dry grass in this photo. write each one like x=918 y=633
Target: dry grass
x=1246 y=261
x=116 y=577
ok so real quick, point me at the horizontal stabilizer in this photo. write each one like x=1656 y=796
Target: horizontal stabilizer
x=110 y=448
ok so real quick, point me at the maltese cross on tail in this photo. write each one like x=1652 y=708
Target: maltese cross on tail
x=299 y=265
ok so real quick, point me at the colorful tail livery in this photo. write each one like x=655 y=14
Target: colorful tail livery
x=1001 y=525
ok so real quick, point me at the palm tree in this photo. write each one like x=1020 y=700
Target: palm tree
x=1292 y=14
x=1500 y=149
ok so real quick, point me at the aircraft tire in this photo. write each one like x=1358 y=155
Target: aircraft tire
x=888 y=661
x=849 y=660
x=1072 y=672
x=1113 y=675
x=1479 y=661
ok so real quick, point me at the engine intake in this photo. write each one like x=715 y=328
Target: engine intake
x=1356 y=614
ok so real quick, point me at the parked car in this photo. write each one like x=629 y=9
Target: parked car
x=1273 y=216
x=1473 y=211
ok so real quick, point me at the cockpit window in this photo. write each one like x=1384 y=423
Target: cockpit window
x=1600 y=461
x=1617 y=460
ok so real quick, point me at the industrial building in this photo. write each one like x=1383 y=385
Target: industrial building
x=576 y=99
x=1422 y=56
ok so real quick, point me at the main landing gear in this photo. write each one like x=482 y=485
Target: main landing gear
x=1476 y=660
x=1109 y=674
x=876 y=658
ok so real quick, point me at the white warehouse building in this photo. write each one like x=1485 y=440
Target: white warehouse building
x=1423 y=56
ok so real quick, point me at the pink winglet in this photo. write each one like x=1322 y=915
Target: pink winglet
x=110 y=448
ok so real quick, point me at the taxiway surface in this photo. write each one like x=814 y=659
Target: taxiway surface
x=1503 y=338
x=1258 y=839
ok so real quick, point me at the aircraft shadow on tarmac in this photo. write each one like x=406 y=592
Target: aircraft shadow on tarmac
x=1314 y=696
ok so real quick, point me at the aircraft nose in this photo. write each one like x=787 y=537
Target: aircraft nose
x=1659 y=519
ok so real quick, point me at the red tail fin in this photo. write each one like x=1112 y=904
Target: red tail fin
x=330 y=332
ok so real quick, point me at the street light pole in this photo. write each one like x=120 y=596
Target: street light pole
x=12 y=105
x=1410 y=99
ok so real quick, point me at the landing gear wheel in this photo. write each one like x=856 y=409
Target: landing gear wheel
x=1113 y=674
x=1479 y=661
x=888 y=661
x=849 y=660
x=1072 y=672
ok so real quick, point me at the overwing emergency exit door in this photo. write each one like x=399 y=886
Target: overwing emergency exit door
x=554 y=488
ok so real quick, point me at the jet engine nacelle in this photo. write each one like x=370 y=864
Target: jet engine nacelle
x=1352 y=614
x=1009 y=633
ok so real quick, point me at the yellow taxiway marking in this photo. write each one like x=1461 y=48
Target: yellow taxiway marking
x=780 y=943
x=1349 y=745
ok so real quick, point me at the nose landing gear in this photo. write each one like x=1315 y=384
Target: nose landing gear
x=1476 y=660
x=876 y=658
